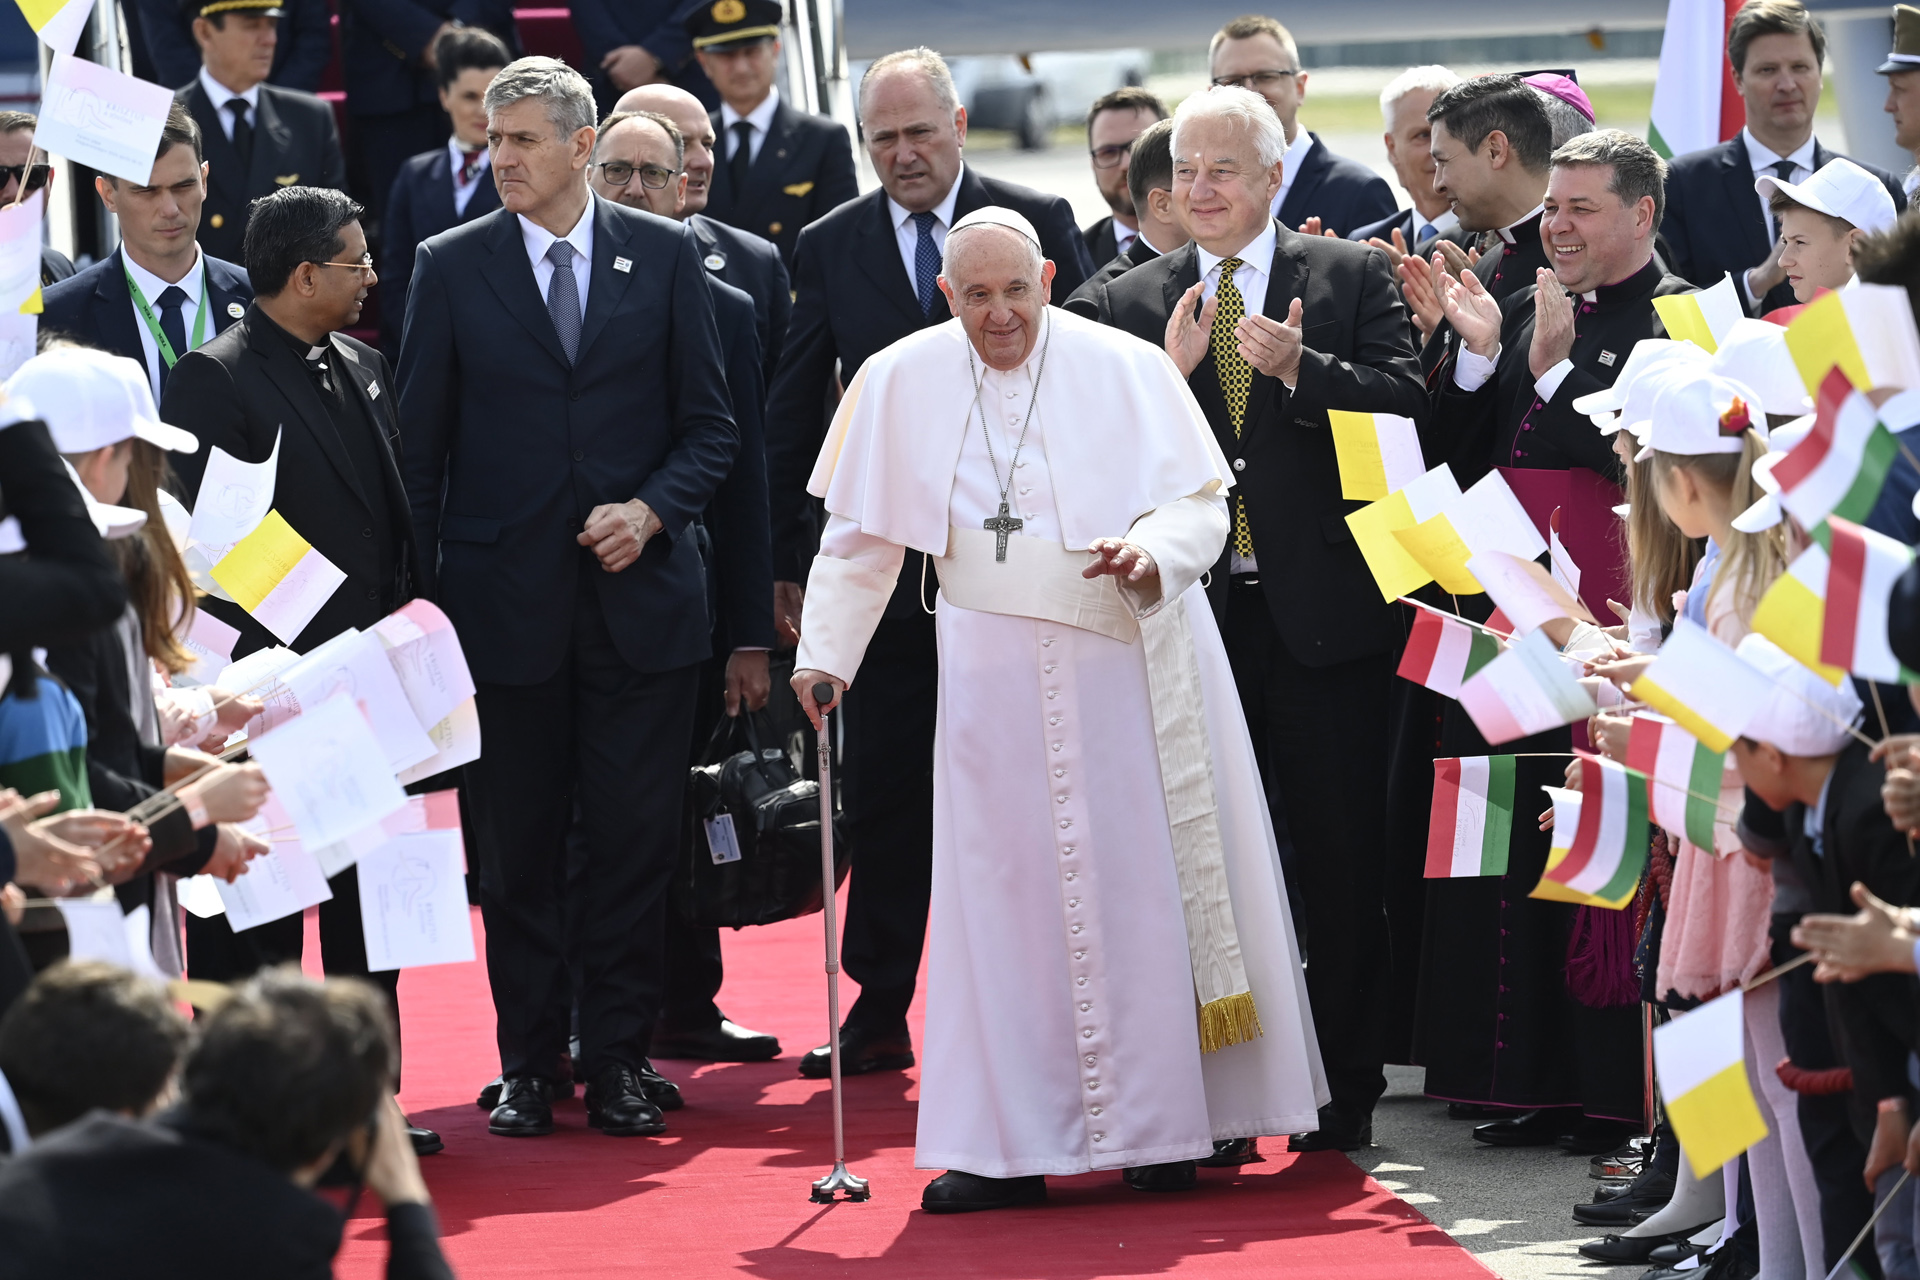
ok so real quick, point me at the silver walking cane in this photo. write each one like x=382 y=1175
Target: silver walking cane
x=828 y=1189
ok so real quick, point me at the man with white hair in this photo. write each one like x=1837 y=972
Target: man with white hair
x=1409 y=139
x=1273 y=329
x=1114 y=982
x=864 y=278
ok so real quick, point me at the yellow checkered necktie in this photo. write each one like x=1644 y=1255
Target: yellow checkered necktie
x=1236 y=380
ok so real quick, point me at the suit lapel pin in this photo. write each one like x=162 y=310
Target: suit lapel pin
x=235 y=310
x=623 y=265
x=1607 y=358
x=715 y=262
x=373 y=391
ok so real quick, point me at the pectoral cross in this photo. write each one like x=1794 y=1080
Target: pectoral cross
x=1003 y=525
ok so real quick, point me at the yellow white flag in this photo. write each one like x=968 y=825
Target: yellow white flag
x=1700 y=1060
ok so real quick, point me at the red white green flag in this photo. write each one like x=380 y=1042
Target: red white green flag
x=1442 y=652
x=1602 y=863
x=1862 y=568
x=1841 y=466
x=1684 y=777
x=1472 y=819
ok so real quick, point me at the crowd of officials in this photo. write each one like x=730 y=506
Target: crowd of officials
x=616 y=307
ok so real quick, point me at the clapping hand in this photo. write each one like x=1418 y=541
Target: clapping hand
x=1876 y=939
x=1313 y=227
x=1190 y=329
x=1395 y=248
x=1121 y=558
x=1418 y=288
x=1273 y=347
x=1552 y=323
x=1470 y=309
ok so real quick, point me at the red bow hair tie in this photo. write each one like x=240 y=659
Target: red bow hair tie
x=1736 y=419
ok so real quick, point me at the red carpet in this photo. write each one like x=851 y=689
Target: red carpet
x=725 y=1192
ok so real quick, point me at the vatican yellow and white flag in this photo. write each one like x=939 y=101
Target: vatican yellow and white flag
x=58 y=23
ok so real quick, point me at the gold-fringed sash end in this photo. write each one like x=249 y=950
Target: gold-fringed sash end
x=1229 y=1020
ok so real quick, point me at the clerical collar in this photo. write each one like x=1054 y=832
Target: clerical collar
x=307 y=352
x=1634 y=288
x=1507 y=232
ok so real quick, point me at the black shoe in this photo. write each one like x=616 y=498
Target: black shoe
x=1476 y=1111
x=726 y=1042
x=660 y=1091
x=1593 y=1136
x=561 y=1081
x=1650 y=1191
x=1231 y=1153
x=1621 y=1250
x=1339 y=1130
x=1527 y=1129
x=617 y=1104
x=525 y=1109
x=957 y=1192
x=425 y=1141
x=862 y=1051
x=1672 y=1255
x=1177 y=1175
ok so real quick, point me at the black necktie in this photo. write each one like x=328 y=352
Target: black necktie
x=242 y=130
x=742 y=155
x=173 y=325
x=1783 y=170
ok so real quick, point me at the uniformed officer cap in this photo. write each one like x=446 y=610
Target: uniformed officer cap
x=1905 y=54
x=730 y=24
x=215 y=8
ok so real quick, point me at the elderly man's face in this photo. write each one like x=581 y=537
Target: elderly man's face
x=1591 y=237
x=533 y=166
x=999 y=286
x=642 y=150
x=1409 y=141
x=913 y=140
x=688 y=116
x=1221 y=191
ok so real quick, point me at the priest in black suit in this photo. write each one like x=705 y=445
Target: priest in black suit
x=256 y=137
x=865 y=278
x=1716 y=223
x=1258 y=53
x=1114 y=125
x=1150 y=183
x=186 y=295
x=777 y=169
x=1276 y=329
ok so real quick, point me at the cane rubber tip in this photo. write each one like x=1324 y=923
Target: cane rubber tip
x=823 y=693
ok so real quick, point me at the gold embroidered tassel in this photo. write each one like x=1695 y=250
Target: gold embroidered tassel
x=1229 y=1020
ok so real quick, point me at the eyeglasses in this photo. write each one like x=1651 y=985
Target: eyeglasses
x=32 y=176
x=1108 y=157
x=1258 y=81
x=364 y=266
x=653 y=177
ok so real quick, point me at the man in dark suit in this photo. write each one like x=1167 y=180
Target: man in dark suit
x=629 y=43
x=1274 y=329
x=1716 y=224
x=396 y=89
x=301 y=31
x=1409 y=139
x=554 y=509
x=256 y=137
x=185 y=295
x=1114 y=123
x=285 y=373
x=865 y=278
x=1150 y=183
x=449 y=185
x=778 y=169
x=741 y=258
x=648 y=150
x=1258 y=53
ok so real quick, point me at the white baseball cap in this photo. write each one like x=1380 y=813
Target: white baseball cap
x=109 y=520
x=1840 y=189
x=1755 y=352
x=1700 y=414
x=1802 y=714
x=1647 y=354
x=90 y=400
x=1638 y=410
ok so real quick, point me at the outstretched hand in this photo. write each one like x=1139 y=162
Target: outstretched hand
x=1120 y=558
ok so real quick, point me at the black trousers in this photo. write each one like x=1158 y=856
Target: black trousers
x=609 y=743
x=1325 y=733
x=887 y=798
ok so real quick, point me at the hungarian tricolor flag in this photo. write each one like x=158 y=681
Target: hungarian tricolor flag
x=1601 y=864
x=1862 y=568
x=1472 y=817
x=1442 y=652
x=1694 y=102
x=1685 y=777
x=1841 y=465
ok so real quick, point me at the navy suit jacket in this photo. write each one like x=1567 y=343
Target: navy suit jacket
x=300 y=55
x=502 y=472
x=1713 y=224
x=295 y=142
x=381 y=42
x=1342 y=193
x=419 y=208
x=752 y=265
x=741 y=567
x=804 y=171
x=95 y=307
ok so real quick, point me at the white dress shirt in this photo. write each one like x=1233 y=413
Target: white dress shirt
x=1250 y=278
x=538 y=240
x=761 y=118
x=463 y=191
x=151 y=287
x=220 y=96
x=1290 y=168
x=908 y=234
x=1763 y=158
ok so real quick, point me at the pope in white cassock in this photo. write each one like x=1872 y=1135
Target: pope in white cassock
x=1113 y=980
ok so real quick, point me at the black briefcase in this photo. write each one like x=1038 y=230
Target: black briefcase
x=750 y=853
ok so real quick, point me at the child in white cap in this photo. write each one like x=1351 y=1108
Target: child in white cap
x=1822 y=219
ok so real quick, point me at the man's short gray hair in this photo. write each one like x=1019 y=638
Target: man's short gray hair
x=1241 y=107
x=1637 y=168
x=1432 y=78
x=568 y=97
x=920 y=59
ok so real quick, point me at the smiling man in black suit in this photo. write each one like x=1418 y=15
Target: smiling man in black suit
x=865 y=278
x=158 y=295
x=566 y=417
x=778 y=169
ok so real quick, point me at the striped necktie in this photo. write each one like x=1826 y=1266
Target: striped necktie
x=1236 y=380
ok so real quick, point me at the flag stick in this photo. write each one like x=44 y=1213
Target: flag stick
x=1878 y=1210
x=1575 y=755
x=1777 y=971
x=1497 y=635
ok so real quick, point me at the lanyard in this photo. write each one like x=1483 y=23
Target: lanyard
x=167 y=353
